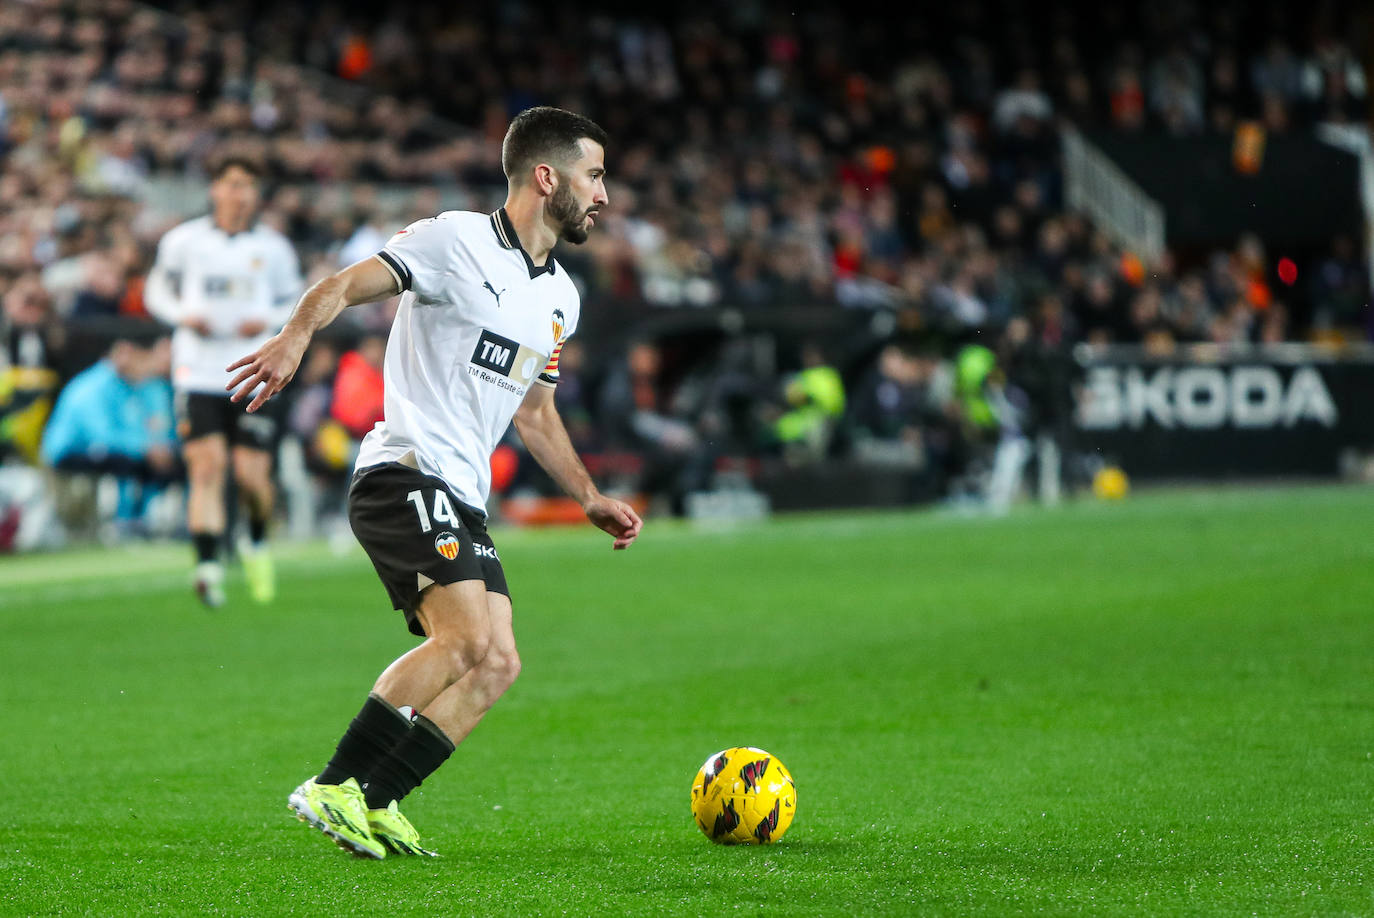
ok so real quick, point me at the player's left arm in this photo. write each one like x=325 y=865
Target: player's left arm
x=546 y=438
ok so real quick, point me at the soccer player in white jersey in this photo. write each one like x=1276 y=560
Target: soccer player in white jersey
x=226 y=283
x=484 y=314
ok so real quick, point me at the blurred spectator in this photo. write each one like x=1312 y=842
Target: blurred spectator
x=1339 y=288
x=993 y=419
x=30 y=345
x=358 y=400
x=978 y=385
x=574 y=398
x=328 y=449
x=311 y=398
x=1021 y=103
x=814 y=399
x=366 y=240
x=1333 y=84
x=115 y=418
x=1127 y=99
x=890 y=402
x=1175 y=90
x=102 y=287
x=638 y=413
x=902 y=414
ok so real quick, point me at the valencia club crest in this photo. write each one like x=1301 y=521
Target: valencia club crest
x=447 y=544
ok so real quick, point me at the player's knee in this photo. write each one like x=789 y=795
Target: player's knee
x=464 y=651
x=254 y=483
x=502 y=668
x=205 y=468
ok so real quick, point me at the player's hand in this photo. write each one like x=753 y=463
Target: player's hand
x=270 y=366
x=616 y=517
x=251 y=328
x=198 y=325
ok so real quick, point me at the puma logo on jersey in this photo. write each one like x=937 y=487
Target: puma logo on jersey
x=488 y=285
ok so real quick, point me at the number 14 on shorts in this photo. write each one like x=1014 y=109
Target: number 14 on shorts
x=443 y=510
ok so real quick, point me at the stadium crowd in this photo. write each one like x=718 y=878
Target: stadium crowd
x=763 y=161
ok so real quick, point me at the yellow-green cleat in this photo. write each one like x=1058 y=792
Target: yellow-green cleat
x=392 y=829
x=338 y=811
x=261 y=575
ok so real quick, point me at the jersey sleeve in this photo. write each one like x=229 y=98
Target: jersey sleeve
x=550 y=375
x=162 y=292
x=418 y=256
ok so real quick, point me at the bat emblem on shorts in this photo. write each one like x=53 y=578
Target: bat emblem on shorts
x=447 y=545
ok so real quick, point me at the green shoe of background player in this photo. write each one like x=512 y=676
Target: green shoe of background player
x=338 y=811
x=392 y=829
x=262 y=577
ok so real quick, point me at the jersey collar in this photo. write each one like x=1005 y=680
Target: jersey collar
x=506 y=235
x=246 y=231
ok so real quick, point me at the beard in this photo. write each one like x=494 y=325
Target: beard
x=571 y=218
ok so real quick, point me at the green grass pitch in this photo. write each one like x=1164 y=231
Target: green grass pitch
x=1158 y=707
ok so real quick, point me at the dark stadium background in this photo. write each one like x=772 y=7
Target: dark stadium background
x=1074 y=617
x=791 y=188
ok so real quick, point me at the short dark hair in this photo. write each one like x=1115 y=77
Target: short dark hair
x=235 y=161
x=546 y=134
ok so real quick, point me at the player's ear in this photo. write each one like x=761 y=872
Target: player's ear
x=545 y=179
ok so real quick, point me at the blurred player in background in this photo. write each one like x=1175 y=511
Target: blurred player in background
x=483 y=317
x=227 y=284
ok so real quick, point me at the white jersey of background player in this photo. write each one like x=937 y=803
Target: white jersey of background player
x=214 y=286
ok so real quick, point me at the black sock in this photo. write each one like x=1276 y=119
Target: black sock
x=207 y=546
x=372 y=734
x=257 y=530
x=414 y=758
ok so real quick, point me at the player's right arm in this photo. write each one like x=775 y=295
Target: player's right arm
x=163 y=293
x=271 y=366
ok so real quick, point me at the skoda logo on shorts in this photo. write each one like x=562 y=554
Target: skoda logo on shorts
x=447 y=544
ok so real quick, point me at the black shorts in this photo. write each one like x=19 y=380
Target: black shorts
x=200 y=414
x=417 y=533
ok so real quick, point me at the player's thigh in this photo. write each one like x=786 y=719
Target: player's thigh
x=455 y=613
x=408 y=525
x=252 y=466
x=259 y=431
x=206 y=457
x=502 y=624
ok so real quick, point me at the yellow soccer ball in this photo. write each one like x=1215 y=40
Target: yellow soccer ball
x=744 y=796
x=1110 y=483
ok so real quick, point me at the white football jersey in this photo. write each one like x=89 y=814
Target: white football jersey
x=202 y=271
x=478 y=325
